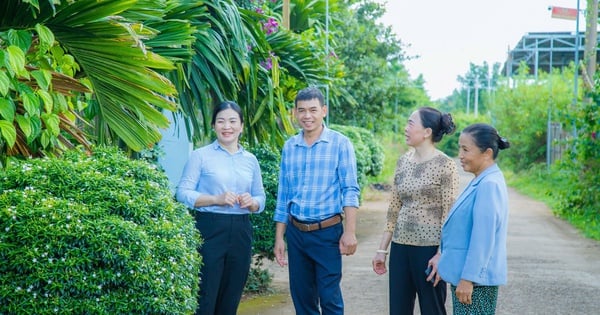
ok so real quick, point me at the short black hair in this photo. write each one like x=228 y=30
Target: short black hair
x=310 y=93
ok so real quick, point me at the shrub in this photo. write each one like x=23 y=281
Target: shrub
x=259 y=279
x=262 y=223
x=97 y=234
x=368 y=150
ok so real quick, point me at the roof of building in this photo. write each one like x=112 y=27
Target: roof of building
x=544 y=51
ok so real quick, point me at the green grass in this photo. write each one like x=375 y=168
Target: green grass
x=551 y=187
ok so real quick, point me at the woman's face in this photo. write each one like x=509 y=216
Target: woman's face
x=228 y=126
x=414 y=132
x=471 y=158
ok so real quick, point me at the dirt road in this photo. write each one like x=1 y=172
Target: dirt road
x=552 y=269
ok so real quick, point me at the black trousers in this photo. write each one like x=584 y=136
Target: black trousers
x=226 y=256
x=407 y=280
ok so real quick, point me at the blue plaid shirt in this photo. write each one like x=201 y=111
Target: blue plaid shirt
x=317 y=181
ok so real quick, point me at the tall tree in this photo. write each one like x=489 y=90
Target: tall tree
x=372 y=58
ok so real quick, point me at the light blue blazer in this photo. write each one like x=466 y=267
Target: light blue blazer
x=473 y=245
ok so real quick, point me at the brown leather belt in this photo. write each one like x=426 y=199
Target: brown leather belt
x=309 y=227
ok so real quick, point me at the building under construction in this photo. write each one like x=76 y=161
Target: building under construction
x=544 y=51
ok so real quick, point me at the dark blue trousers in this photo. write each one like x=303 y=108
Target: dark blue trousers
x=226 y=255
x=407 y=280
x=315 y=270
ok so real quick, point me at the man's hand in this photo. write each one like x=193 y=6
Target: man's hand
x=279 y=247
x=279 y=251
x=348 y=244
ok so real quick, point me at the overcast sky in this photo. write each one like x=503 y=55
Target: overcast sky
x=448 y=35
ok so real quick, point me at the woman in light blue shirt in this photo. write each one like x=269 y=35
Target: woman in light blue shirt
x=472 y=254
x=222 y=183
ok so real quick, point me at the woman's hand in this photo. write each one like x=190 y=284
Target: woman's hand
x=246 y=201
x=379 y=263
x=464 y=291
x=433 y=275
x=227 y=199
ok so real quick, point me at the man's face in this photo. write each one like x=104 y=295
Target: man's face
x=310 y=114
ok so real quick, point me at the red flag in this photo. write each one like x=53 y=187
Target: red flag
x=564 y=13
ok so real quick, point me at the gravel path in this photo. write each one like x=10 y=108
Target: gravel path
x=552 y=268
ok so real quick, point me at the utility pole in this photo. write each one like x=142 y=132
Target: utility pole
x=591 y=43
x=476 y=107
x=468 y=97
x=285 y=14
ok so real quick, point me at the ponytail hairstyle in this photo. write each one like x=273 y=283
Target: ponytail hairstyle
x=439 y=123
x=486 y=136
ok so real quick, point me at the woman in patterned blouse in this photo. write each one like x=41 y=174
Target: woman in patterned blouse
x=425 y=187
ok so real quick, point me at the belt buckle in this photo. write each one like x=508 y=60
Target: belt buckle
x=306 y=226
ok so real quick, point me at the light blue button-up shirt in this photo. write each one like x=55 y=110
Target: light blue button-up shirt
x=316 y=181
x=211 y=170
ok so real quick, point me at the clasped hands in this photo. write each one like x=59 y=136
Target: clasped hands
x=245 y=200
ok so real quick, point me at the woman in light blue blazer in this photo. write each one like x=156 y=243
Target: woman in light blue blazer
x=472 y=255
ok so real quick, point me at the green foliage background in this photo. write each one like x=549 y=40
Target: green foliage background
x=97 y=234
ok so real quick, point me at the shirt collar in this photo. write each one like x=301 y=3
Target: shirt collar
x=325 y=136
x=217 y=146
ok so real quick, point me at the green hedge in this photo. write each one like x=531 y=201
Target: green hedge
x=368 y=150
x=97 y=234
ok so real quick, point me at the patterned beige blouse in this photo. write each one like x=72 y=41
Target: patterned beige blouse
x=422 y=195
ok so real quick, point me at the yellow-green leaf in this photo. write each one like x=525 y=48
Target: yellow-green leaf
x=4 y=83
x=15 y=61
x=7 y=109
x=46 y=35
x=31 y=103
x=51 y=121
x=43 y=78
x=8 y=132
x=47 y=100
x=24 y=125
